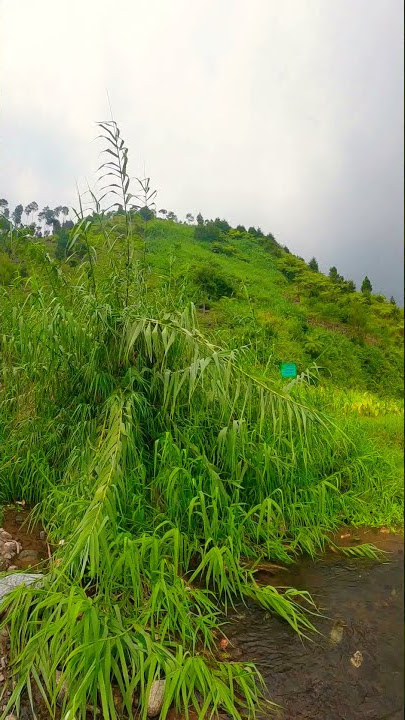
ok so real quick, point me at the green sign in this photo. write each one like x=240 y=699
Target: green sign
x=288 y=370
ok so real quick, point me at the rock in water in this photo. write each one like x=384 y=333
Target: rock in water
x=9 y=582
x=155 y=701
x=336 y=633
x=357 y=659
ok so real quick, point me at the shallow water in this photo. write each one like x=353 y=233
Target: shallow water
x=363 y=600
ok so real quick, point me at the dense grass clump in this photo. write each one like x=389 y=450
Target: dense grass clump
x=163 y=466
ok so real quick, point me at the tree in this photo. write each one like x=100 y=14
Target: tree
x=190 y=218
x=171 y=216
x=30 y=209
x=313 y=265
x=241 y=228
x=146 y=213
x=252 y=231
x=4 y=208
x=17 y=214
x=163 y=212
x=200 y=219
x=392 y=300
x=223 y=225
x=65 y=212
x=366 y=286
x=209 y=232
x=48 y=216
x=27 y=211
x=34 y=208
x=349 y=286
x=334 y=275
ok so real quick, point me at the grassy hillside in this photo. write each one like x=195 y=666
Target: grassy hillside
x=143 y=416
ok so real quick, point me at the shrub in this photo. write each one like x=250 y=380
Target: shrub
x=223 y=249
x=212 y=283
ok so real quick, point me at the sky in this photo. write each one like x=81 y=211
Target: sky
x=284 y=115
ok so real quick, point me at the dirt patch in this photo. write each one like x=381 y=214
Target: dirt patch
x=34 y=550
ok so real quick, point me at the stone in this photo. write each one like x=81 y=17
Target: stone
x=9 y=548
x=357 y=659
x=29 y=558
x=155 y=701
x=9 y=582
x=336 y=633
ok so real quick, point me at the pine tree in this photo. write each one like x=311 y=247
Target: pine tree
x=366 y=286
x=313 y=264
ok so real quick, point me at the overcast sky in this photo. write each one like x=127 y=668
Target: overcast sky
x=283 y=114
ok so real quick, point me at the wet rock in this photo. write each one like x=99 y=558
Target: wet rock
x=29 y=558
x=336 y=633
x=155 y=701
x=8 y=583
x=357 y=659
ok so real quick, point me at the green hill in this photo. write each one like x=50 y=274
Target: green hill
x=144 y=419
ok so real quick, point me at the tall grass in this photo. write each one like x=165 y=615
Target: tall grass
x=159 y=465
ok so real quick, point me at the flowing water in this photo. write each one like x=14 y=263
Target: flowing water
x=355 y=670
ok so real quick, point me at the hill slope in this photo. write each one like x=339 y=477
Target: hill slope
x=144 y=417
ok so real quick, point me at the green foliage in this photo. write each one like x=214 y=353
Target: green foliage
x=209 y=232
x=223 y=249
x=313 y=265
x=211 y=283
x=366 y=286
x=164 y=454
x=8 y=269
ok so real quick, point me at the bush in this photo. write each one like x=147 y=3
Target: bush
x=223 y=249
x=212 y=231
x=212 y=283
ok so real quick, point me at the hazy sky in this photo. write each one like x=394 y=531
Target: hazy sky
x=284 y=114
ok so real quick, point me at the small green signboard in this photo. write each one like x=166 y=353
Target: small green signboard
x=288 y=370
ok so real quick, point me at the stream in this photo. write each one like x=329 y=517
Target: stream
x=364 y=605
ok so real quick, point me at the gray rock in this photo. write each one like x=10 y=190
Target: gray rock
x=9 y=582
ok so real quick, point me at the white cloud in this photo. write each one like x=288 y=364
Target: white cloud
x=285 y=115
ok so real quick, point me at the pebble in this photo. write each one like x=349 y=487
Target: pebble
x=357 y=659
x=155 y=701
